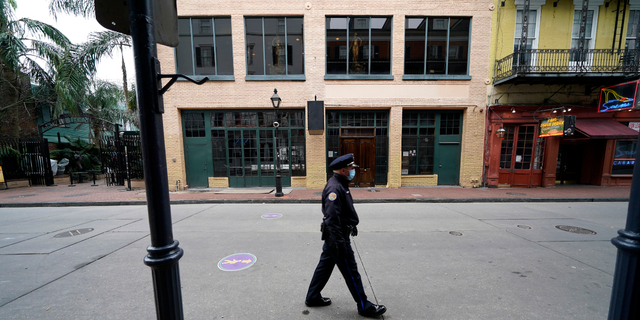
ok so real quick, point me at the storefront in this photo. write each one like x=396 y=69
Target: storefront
x=599 y=150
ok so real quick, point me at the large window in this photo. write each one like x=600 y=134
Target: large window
x=624 y=157
x=274 y=47
x=589 y=34
x=632 y=29
x=524 y=58
x=358 y=46
x=418 y=138
x=205 y=47
x=437 y=46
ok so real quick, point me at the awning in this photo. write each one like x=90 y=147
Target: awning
x=605 y=129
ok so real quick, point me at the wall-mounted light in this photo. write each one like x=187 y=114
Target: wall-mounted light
x=500 y=132
x=513 y=110
x=568 y=109
x=555 y=111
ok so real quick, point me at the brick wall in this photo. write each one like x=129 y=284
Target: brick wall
x=255 y=94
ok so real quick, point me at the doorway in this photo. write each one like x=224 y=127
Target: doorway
x=363 y=150
x=521 y=156
x=569 y=164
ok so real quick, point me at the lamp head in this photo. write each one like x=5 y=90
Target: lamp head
x=275 y=99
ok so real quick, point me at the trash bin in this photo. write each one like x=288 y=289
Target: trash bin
x=62 y=164
x=54 y=166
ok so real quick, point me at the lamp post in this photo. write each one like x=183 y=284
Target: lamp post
x=275 y=101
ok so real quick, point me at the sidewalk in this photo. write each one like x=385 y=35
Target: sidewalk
x=86 y=195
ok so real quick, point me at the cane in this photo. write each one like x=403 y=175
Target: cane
x=365 y=271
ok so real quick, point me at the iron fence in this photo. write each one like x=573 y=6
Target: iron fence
x=26 y=159
x=121 y=159
x=532 y=61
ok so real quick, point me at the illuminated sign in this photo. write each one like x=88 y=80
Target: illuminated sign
x=551 y=127
x=620 y=97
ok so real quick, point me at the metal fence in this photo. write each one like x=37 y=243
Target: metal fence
x=121 y=159
x=532 y=61
x=26 y=159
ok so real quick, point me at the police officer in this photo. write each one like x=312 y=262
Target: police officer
x=340 y=221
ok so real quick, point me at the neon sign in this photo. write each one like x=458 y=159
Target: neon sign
x=620 y=97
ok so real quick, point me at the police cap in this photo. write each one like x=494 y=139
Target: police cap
x=343 y=161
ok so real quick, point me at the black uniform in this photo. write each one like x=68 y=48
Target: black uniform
x=340 y=220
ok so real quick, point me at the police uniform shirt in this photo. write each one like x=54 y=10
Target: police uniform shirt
x=337 y=207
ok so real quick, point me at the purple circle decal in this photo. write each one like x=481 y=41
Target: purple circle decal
x=271 y=216
x=237 y=262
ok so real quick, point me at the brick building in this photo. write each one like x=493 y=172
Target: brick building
x=402 y=85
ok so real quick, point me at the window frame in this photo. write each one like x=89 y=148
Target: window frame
x=213 y=77
x=368 y=76
x=426 y=76
x=271 y=77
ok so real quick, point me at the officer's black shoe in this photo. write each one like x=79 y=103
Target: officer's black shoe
x=321 y=302
x=373 y=311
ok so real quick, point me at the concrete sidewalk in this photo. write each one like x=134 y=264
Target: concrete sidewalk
x=86 y=195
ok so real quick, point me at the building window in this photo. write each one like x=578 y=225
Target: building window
x=632 y=29
x=194 y=125
x=437 y=45
x=624 y=157
x=205 y=47
x=418 y=142
x=275 y=46
x=524 y=58
x=358 y=45
x=575 y=35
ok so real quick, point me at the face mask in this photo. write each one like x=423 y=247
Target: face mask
x=352 y=174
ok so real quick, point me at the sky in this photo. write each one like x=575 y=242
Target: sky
x=77 y=29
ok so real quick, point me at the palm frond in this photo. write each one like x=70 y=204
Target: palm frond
x=83 y=8
x=7 y=11
x=104 y=43
x=42 y=31
x=11 y=49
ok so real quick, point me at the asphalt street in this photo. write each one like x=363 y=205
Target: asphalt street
x=423 y=260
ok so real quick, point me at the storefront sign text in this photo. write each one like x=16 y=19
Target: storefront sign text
x=619 y=97
x=552 y=127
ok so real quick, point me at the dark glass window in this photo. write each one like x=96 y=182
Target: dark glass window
x=194 y=125
x=506 y=149
x=205 y=46
x=219 y=153
x=449 y=123
x=358 y=45
x=437 y=45
x=418 y=142
x=624 y=157
x=274 y=45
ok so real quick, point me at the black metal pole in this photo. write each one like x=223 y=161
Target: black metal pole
x=164 y=252
x=278 y=175
x=625 y=294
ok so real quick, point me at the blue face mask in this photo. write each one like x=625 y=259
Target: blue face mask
x=352 y=174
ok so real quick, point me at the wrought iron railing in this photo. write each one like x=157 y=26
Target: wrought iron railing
x=540 y=61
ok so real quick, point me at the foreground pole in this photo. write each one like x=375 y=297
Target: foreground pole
x=164 y=252
x=625 y=294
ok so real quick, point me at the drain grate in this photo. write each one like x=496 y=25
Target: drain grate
x=516 y=194
x=577 y=230
x=521 y=226
x=319 y=194
x=21 y=196
x=76 y=195
x=73 y=233
x=455 y=233
x=373 y=190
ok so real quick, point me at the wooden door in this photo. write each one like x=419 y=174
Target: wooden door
x=517 y=155
x=364 y=155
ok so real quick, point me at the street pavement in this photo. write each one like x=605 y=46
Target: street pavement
x=454 y=260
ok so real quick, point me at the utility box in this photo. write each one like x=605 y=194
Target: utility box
x=315 y=116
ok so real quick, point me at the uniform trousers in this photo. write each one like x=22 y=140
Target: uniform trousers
x=347 y=266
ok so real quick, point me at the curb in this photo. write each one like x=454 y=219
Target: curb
x=298 y=201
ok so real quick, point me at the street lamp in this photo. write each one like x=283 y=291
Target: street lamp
x=275 y=101
x=500 y=132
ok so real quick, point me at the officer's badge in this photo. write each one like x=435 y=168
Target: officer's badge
x=332 y=196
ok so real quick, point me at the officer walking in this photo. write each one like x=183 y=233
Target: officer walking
x=340 y=221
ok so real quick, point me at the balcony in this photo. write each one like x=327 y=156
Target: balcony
x=593 y=66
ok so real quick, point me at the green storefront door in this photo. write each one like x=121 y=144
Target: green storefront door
x=197 y=169
x=447 y=149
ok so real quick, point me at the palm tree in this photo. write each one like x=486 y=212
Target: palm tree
x=24 y=43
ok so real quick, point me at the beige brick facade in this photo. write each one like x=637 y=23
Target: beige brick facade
x=393 y=96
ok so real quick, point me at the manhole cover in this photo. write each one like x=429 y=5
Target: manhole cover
x=523 y=227
x=319 y=194
x=455 y=233
x=516 y=194
x=271 y=216
x=22 y=196
x=72 y=233
x=76 y=195
x=372 y=190
x=577 y=230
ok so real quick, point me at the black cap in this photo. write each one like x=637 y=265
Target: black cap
x=343 y=161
